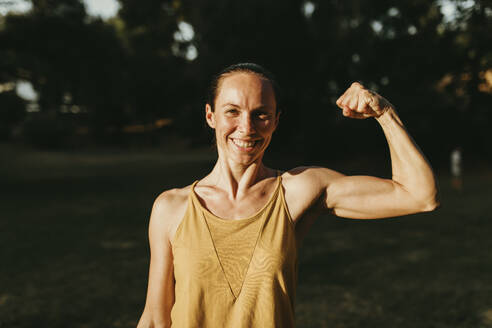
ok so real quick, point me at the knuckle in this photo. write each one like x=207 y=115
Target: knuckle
x=368 y=98
x=357 y=84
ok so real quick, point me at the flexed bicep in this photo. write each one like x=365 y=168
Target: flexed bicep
x=368 y=197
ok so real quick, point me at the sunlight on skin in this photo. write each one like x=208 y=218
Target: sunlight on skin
x=244 y=118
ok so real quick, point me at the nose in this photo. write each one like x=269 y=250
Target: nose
x=247 y=124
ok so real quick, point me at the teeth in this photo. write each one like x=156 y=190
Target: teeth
x=244 y=144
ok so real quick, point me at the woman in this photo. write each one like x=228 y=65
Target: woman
x=224 y=250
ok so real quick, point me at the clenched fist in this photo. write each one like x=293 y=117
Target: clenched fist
x=359 y=102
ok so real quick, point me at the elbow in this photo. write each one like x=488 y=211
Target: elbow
x=420 y=206
x=432 y=204
x=425 y=203
x=429 y=200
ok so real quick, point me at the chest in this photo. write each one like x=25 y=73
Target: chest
x=247 y=205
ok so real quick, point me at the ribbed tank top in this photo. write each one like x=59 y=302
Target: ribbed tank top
x=235 y=273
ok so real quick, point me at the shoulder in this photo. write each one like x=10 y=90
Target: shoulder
x=305 y=186
x=167 y=211
x=171 y=199
x=309 y=177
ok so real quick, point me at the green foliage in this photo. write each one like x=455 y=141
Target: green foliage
x=154 y=73
x=133 y=69
x=67 y=9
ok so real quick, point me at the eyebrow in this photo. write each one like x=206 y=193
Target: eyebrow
x=262 y=107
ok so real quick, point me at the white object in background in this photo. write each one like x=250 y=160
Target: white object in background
x=456 y=162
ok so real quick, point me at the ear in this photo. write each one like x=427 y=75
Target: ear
x=210 y=116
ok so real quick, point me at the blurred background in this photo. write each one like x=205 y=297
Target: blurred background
x=101 y=109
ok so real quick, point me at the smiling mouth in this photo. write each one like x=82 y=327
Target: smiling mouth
x=245 y=145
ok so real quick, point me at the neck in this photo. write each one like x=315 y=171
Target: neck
x=236 y=178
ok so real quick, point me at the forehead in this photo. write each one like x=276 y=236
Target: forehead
x=245 y=90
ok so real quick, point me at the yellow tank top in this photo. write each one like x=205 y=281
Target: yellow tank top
x=235 y=273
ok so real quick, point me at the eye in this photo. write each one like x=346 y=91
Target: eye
x=232 y=111
x=262 y=116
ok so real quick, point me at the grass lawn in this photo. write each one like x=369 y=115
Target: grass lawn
x=73 y=247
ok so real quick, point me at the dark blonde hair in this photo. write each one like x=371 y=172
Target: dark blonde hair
x=246 y=68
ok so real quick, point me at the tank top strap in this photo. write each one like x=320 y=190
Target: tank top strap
x=278 y=188
x=190 y=222
x=281 y=195
x=192 y=198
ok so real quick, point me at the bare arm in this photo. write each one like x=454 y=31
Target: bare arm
x=160 y=292
x=412 y=188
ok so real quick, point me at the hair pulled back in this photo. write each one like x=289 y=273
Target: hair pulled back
x=252 y=68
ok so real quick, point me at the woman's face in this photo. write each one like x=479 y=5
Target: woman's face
x=245 y=117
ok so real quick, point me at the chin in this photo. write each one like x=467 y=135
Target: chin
x=246 y=159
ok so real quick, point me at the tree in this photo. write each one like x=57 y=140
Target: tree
x=154 y=71
x=69 y=59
